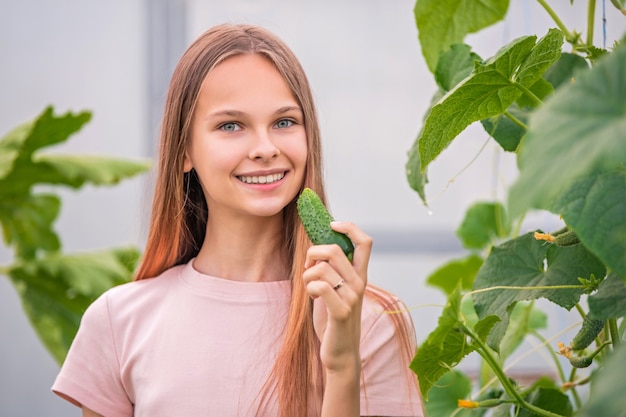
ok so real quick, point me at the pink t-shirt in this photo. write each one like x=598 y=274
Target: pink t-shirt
x=188 y=344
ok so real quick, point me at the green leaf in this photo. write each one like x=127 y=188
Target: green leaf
x=442 y=23
x=564 y=71
x=549 y=399
x=443 y=348
x=607 y=395
x=454 y=66
x=458 y=271
x=520 y=263
x=595 y=209
x=483 y=223
x=541 y=89
x=27 y=223
x=580 y=131
x=507 y=133
x=543 y=55
x=445 y=393
x=56 y=290
x=77 y=170
x=610 y=300
x=489 y=91
x=413 y=171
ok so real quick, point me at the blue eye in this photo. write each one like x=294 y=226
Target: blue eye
x=284 y=123
x=230 y=127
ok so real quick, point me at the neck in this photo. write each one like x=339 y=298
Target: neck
x=244 y=249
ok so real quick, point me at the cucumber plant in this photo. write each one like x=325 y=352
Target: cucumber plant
x=556 y=101
x=55 y=287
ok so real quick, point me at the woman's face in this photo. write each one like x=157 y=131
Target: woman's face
x=248 y=143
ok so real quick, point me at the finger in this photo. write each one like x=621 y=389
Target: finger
x=362 y=244
x=337 y=260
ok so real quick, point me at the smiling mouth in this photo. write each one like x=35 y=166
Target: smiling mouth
x=262 y=179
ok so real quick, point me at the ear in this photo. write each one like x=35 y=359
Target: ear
x=187 y=164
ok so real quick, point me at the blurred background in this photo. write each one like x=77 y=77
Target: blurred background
x=372 y=87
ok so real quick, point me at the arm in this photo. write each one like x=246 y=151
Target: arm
x=337 y=317
x=89 y=413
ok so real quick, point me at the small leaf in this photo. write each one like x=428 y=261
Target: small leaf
x=520 y=263
x=442 y=23
x=455 y=272
x=454 y=66
x=483 y=223
x=443 y=396
x=507 y=133
x=564 y=71
x=610 y=300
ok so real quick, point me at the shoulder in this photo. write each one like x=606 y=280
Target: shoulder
x=133 y=297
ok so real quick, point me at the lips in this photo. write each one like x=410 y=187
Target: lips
x=261 y=179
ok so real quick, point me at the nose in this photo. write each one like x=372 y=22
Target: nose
x=263 y=147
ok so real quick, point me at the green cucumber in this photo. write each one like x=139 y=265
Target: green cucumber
x=316 y=221
x=587 y=333
x=568 y=238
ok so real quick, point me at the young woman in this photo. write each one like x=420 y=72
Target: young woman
x=233 y=312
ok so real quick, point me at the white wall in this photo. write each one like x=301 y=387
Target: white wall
x=372 y=88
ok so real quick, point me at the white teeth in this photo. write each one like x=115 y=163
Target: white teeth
x=265 y=179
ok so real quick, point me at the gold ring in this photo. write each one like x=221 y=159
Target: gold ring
x=339 y=284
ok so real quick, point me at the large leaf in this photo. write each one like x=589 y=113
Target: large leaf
x=549 y=399
x=483 y=223
x=595 y=208
x=610 y=300
x=520 y=263
x=27 y=223
x=76 y=170
x=442 y=23
x=580 y=131
x=56 y=290
x=45 y=130
x=443 y=348
x=489 y=91
x=607 y=396
x=564 y=71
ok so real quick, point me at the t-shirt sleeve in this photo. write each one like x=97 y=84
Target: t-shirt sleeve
x=90 y=374
x=388 y=386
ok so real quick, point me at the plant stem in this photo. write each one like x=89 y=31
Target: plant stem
x=557 y=20
x=615 y=338
x=528 y=94
x=521 y=288
x=591 y=12
x=580 y=311
x=515 y=120
x=483 y=351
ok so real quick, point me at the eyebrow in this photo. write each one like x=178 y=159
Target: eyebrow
x=237 y=113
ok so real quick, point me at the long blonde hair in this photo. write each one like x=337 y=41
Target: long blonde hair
x=179 y=210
